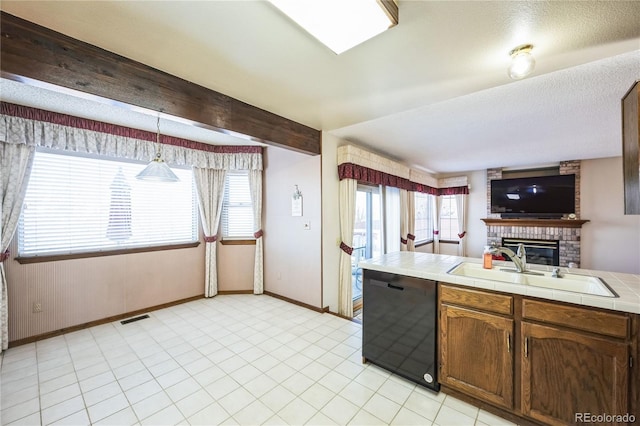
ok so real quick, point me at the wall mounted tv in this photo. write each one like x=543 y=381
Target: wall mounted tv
x=543 y=197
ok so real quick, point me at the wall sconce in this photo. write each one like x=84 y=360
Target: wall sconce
x=296 y=202
x=522 y=62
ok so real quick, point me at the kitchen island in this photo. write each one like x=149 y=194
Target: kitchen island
x=435 y=267
x=534 y=355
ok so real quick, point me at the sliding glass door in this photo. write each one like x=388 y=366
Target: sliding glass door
x=367 y=234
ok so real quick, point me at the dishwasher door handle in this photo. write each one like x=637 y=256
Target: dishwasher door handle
x=395 y=287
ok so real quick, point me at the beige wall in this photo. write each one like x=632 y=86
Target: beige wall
x=610 y=240
x=330 y=221
x=477 y=210
x=235 y=267
x=78 y=291
x=292 y=254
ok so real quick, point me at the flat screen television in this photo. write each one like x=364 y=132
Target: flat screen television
x=534 y=197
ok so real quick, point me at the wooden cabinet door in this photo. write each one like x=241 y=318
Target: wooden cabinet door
x=565 y=372
x=477 y=354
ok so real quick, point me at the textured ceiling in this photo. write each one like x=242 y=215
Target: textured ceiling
x=566 y=115
x=432 y=91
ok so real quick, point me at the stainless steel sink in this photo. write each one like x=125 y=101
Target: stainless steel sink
x=576 y=283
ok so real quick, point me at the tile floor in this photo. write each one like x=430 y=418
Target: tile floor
x=233 y=359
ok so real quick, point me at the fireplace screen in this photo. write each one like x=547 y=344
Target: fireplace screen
x=541 y=252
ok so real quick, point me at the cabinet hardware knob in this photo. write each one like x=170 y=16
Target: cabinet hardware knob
x=508 y=342
x=526 y=347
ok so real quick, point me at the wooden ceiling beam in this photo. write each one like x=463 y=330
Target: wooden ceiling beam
x=36 y=55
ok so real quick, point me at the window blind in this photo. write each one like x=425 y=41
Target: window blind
x=76 y=203
x=237 y=208
x=448 y=218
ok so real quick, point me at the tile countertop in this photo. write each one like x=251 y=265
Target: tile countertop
x=435 y=267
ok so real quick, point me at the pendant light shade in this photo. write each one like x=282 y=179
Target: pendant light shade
x=157 y=170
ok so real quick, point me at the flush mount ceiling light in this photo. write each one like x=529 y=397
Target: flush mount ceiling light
x=522 y=62
x=339 y=24
x=157 y=170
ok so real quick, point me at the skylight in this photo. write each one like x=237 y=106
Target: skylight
x=339 y=24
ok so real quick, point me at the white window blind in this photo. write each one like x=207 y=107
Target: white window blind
x=448 y=218
x=76 y=203
x=237 y=208
x=424 y=217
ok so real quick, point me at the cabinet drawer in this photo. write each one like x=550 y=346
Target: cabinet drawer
x=608 y=324
x=497 y=303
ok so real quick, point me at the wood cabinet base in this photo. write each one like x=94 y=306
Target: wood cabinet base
x=536 y=361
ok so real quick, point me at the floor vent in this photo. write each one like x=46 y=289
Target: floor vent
x=127 y=321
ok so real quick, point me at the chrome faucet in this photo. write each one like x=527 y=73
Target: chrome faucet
x=519 y=259
x=522 y=254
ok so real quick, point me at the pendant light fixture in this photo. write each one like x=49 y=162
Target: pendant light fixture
x=522 y=62
x=157 y=170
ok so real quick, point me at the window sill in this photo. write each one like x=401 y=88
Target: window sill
x=56 y=257
x=423 y=243
x=247 y=242
x=449 y=242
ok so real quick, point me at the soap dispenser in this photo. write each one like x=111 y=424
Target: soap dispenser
x=487 y=258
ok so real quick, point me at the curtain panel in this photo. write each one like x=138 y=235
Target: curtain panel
x=255 y=183
x=436 y=225
x=411 y=221
x=210 y=187
x=347 y=210
x=461 y=206
x=15 y=168
x=404 y=219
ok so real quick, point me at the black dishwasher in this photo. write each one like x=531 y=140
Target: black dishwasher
x=399 y=325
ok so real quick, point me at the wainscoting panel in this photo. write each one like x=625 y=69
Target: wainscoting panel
x=72 y=292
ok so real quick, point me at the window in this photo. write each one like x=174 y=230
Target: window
x=367 y=233
x=367 y=227
x=448 y=218
x=237 y=208
x=81 y=203
x=423 y=217
x=391 y=209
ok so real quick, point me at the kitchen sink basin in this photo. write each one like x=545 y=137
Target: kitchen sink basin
x=576 y=283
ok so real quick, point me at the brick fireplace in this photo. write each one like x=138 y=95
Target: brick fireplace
x=565 y=231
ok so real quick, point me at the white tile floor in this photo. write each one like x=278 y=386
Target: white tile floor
x=233 y=359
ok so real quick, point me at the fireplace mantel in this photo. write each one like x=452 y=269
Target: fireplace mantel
x=555 y=223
